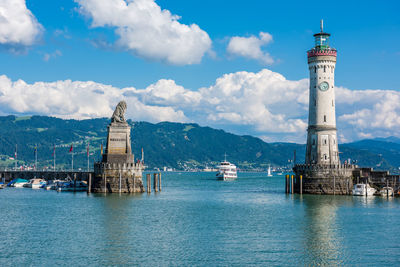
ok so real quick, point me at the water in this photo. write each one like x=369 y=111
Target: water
x=198 y=221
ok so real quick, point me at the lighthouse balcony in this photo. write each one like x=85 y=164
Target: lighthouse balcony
x=316 y=167
x=325 y=52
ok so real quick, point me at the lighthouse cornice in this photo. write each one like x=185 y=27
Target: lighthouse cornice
x=321 y=128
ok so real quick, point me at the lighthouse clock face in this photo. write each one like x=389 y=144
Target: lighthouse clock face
x=324 y=86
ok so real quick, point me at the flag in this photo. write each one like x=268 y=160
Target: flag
x=101 y=148
x=35 y=150
x=71 y=148
x=15 y=154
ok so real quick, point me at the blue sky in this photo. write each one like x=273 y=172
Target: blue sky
x=75 y=41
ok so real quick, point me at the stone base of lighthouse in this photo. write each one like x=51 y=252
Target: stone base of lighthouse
x=323 y=179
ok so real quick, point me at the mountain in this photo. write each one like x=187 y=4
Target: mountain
x=175 y=145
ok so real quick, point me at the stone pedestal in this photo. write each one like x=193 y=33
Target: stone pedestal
x=118 y=171
x=324 y=179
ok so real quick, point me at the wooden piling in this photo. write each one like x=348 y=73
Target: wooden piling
x=159 y=181
x=155 y=182
x=148 y=179
x=287 y=184
x=301 y=184
x=134 y=183
x=387 y=188
x=90 y=183
x=291 y=184
x=74 y=182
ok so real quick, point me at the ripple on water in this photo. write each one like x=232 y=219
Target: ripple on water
x=197 y=220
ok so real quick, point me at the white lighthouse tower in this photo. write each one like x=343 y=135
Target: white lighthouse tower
x=322 y=172
x=322 y=147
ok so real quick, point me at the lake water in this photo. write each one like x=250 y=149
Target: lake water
x=198 y=221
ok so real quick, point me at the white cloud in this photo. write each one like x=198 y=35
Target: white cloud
x=368 y=113
x=250 y=47
x=48 y=56
x=263 y=104
x=149 y=31
x=80 y=100
x=18 y=26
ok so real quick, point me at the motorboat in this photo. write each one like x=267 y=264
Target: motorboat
x=386 y=191
x=35 y=183
x=18 y=182
x=2 y=185
x=52 y=184
x=79 y=186
x=363 y=190
x=226 y=171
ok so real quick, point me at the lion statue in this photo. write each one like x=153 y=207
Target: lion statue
x=119 y=112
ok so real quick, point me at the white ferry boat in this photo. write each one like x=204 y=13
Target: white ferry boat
x=363 y=190
x=226 y=171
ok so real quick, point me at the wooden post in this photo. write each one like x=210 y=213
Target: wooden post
x=155 y=182
x=134 y=183
x=387 y=188
x=301 y=184
x=148 y=179
x=159 y=181
x=286 y=184
x=74 y=182
x=90 y=183
x=366 y=189
x=292 y=184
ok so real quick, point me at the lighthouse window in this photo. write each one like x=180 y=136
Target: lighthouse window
x=324 y=68
x=315 y=69
x=325 y=157
x=324 y=118
x=325 y=142
x=332 y=103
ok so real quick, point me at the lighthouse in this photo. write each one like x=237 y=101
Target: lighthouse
x=322 y=172
x=322 y=147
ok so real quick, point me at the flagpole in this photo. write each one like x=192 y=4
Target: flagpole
x=72 y=167
x=16 y=155
x=35 y=157
x=88 y=157
x=54 y=158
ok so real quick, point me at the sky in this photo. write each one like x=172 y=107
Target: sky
x=240 y=66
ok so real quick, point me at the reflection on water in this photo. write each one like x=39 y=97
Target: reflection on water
x=115 y=226
x=322 y=244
